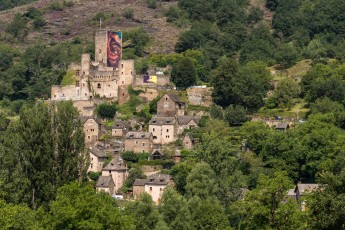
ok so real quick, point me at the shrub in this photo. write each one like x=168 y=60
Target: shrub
x=128 y=13
x=152 y=4
x=106 y=110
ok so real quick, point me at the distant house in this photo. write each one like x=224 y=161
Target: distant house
x=177 y=156
x=156 y=154
x=154 y=185
x=119 y=128
x=139 y=142
x=303 y=189
x=118 y=170
x=170 y=105
x=187 y=122
x=163 y=129
x=282 y=126
x=97 y=158
x=105 y=184
x=188 y=141
x=92 y=130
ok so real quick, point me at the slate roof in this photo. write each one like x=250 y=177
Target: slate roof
x=157 y=151
x=162 y=121
x=119 y=125
x=175 y=98
x=139 y=182
x=303 y=188
x=116 y=164
x=97 y=152
x=83 y=119
x=155 y=179
x=184 y=120
x=104 y=181
x=138 y=135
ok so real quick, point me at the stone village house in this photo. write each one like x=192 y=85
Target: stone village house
x=154 y=185
x=163 y=129
x=117 y=170
x=92 y=130
x=97 y=159
x=170 y=106
x=139 y=142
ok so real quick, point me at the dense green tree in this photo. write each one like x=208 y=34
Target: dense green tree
x=235 y=115
x=18 y=217
x=184 y=73
x=216 y=112
x=180 y=172
x=18 y=27
x=201 y=181
x=106 y=110
x=266 y=206
x=54 y=153
x=174 y=210
x=207 y=214
x=244 y=86
x=144 y=212
x=79 y=207
x=326 y=205
x=285 y=92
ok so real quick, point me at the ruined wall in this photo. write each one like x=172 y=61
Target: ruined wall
x=200 y=96
x=73 y=92
x=85 y=108
x=149 y=93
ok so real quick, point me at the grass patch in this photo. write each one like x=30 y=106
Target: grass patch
x=301 y=68
x=69 y=78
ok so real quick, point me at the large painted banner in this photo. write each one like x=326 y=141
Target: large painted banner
x=150 y=79
x=114 y=48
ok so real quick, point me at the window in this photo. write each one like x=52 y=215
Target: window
x=153 y=129
x=166 y=104
x=88 y=137
x=91 y=166
x=99 y=85
x=121 y=65
x=161 y=189
x=100 y=51
x=136 y=142
x=143 y=144
x=151 y=189
x=77 y=72
x=167 y=130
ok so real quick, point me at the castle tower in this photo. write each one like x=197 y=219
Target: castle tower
x=101 y=46
x=85 y=65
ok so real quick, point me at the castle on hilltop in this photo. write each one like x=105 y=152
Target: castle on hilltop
x=107 y=77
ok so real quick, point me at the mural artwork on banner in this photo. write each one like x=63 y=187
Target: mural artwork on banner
x=150 y=79
x=114 y=49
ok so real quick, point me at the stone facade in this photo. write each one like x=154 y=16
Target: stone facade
x=97 y=159
x=154 y=185
x=139 y=142
x=187 y=122
x=163 y=129
x=200 y=95
x=188 y=142
x=92 y=129
x=170 y=105
x=119 y=129
x=106 y=184
x=118 y=170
